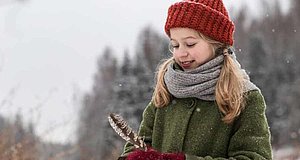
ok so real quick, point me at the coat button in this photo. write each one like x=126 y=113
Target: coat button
x=192 y=103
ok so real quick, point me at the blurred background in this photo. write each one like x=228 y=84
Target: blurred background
x=65 y=64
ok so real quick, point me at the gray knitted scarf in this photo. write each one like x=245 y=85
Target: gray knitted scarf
x=201 y=81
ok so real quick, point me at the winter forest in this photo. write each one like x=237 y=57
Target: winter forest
x=267 y=47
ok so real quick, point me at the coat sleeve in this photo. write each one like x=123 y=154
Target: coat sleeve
x=145 y=129
x=251 y=138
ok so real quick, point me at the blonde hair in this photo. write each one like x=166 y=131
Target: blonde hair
x=229 y=88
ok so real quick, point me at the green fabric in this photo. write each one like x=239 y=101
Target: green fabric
x=194 y=127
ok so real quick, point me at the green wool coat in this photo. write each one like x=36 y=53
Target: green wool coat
x=194 y=127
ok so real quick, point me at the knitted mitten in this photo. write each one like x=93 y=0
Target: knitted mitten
x=152 y=154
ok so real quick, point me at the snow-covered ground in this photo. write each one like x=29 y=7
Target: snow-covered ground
x=287 y=153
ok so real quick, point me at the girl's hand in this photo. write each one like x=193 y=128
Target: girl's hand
x=152 y=154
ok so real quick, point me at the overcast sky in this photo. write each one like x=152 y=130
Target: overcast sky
x=48 y=51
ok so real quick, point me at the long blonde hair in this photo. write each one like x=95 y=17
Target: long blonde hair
x=229 y=88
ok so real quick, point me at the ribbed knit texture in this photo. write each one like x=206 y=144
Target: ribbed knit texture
x=194 y=127
x=209 y=17
x=201 y=81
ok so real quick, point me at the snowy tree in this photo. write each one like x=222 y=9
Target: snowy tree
x=269 y=51
x=93 y=119
x=124 y=89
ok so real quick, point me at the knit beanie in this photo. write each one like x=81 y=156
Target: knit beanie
x=208 y=17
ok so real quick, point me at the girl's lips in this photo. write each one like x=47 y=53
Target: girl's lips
x=186 y=64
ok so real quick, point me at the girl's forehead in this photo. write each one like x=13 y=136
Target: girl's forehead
x=183 y=33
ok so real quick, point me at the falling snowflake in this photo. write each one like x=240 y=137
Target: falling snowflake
x=293 y=135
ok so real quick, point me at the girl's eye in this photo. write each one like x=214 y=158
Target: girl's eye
x=191 y=45
x=175 y=46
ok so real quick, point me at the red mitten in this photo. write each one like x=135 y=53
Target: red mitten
x=150 y=154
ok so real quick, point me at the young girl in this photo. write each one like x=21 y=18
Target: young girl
x=204 y=106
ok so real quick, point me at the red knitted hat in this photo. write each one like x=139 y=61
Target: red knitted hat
x=209 y=17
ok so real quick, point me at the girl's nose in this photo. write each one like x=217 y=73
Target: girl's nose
x=182 y=52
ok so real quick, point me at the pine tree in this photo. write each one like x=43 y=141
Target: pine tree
x=122 y=103
x=94 y=106
x=271 y=57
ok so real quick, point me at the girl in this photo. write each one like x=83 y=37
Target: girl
x=204 y=106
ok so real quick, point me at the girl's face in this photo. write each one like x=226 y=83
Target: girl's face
x=189 y=49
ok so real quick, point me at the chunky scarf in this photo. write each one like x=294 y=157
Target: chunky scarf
x=201 y=81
